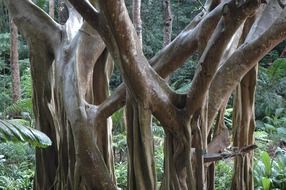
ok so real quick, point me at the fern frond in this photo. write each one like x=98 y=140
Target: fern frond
x=24 y=105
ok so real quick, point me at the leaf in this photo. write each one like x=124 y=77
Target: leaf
x=266 y=183
x=281 y=130
x=15 y=132
x=279 y=111
x=184 y=88
x=267 y=163
x=277 y=69
x=2 y=158
x=269 y=127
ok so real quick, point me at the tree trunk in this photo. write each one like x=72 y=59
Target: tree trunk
x=244 y=125
x=101 y=75
x=168 y=22
x=141 y=168
x=141 y=164
x=16 y=90
x=136 y=15
x=52 y=8
x=70 y=76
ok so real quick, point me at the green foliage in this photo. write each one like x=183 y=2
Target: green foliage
x=228 y=117
x=181 y=80
x=266 y=160
x=277 y=70
x=13 y=131
x=115 y=79
x=152 y=21
x=26 y=81
x=262 y=140
x=268 y=59
x=118 y=122
x=266 y=182
x=271 y=92
x=17 y=166
x=270 y=173
x=24 y=105
x=5 y=70
x=223 y=173
x=159 y=161
x=4 y=18
x=152 y=26
x=274 y=125
x=183 y=12
x=43 y=4
x=120 y=143
x=5 y=45
x=159 y=136
x=121 y=174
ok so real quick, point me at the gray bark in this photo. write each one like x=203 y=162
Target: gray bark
x=70 y=89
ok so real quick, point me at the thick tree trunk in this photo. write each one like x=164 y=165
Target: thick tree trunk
x=101 y=75
x=141 y=168
x=141 y=164
x=70 y=76
x=16 y=89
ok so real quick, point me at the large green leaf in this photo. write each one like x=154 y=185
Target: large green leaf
x=266 y=182
x=15 y=132
x=267 y=163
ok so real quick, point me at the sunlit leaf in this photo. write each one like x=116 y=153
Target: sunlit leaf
x=266 y=182
x=267 y=163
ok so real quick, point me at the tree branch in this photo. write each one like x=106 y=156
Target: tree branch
x=212 y=157
x=265 y=21
x=233 y=17
x=87 y=10
x=33 y=22
x=192 y=38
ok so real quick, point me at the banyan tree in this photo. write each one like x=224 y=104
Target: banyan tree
x=71 y=64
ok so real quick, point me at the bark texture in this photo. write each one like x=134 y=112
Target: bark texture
x=141 y=164
x=14 y=57
x=244 y=125
x=71 y=65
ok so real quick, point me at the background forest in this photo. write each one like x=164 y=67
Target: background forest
x=17 y=159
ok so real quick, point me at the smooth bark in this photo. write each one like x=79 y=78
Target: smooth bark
x=70 y=71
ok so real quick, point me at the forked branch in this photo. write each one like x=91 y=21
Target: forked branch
x=34 y=22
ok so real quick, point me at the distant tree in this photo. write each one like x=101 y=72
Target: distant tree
x=136 y=18
x=168 y=22
x=71 y=67
x=14 y=61
x=52 y=8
